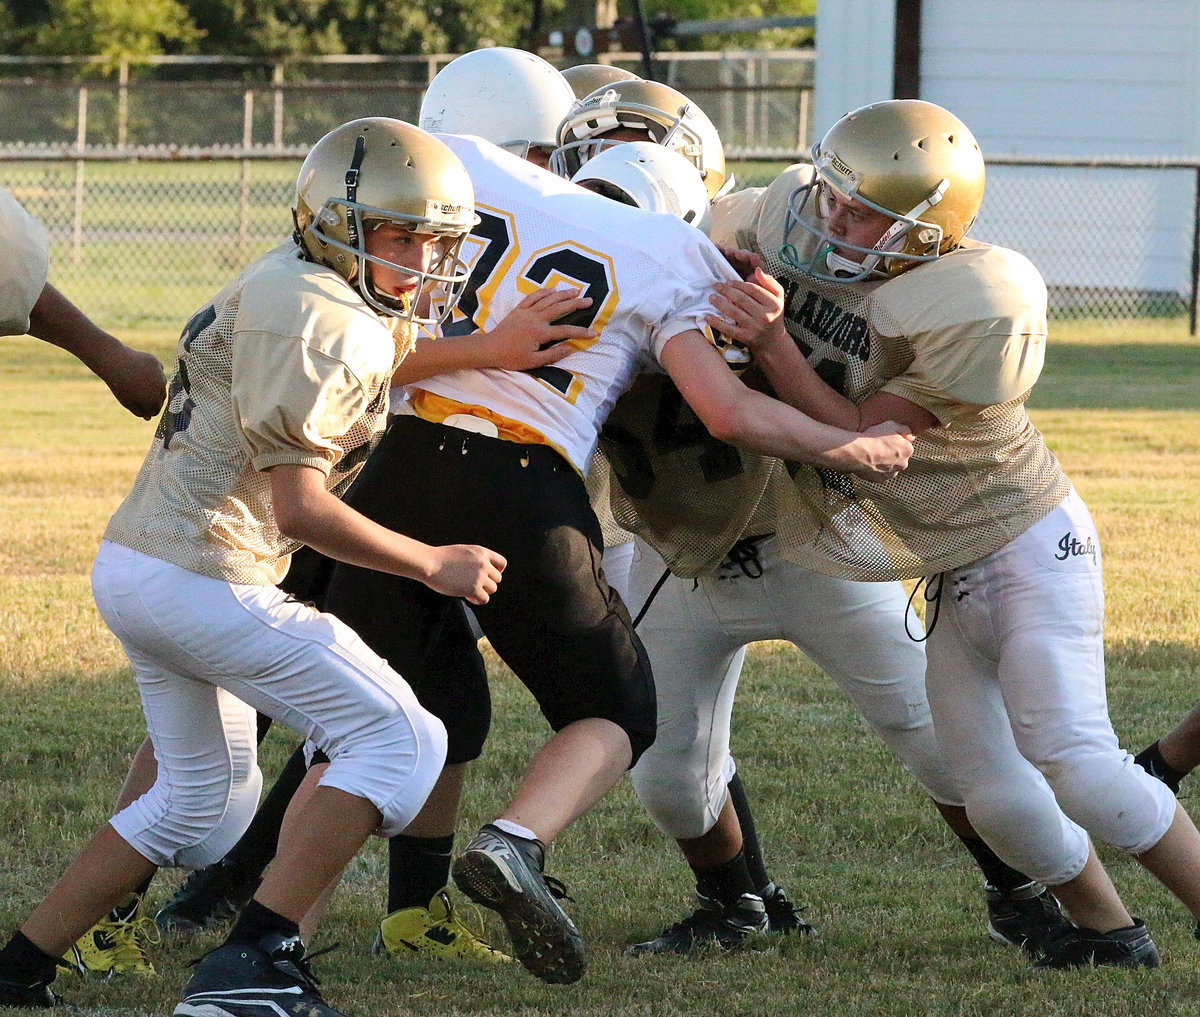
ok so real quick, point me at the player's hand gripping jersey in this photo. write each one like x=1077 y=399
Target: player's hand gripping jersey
x=964 y=337
x=649 y=276
x=26 y=264
x=287 y=365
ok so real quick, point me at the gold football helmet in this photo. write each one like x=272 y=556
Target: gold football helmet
x=669 y=117
x=584 y=79
x=911 y=160
x=374 y=171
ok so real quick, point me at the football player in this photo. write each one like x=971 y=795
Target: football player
x=866 y=300
x=279 y=392
x=472 y=94
x=29 y=304
x=854 y=632
x=508 y=450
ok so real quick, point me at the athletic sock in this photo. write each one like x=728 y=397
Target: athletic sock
x=24 y=963
x=995 y=872
x=1151 y=760
x=516 y=829
x=418 y=867
x=750 y=843
x=256 y=921
x=725 y=882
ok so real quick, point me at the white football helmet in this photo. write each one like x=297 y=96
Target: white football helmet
x=374 y=171
x=509 y=97
x=915 y=162
x=668 y=117
x=648 y=176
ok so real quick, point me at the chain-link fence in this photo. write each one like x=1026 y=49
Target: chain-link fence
x=145 y=242
x=759 y=100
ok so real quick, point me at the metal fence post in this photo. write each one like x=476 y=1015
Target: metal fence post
x=277 y=81
x=123 y=104
x=77 y=211
x=1195 y=258
x=244 y=196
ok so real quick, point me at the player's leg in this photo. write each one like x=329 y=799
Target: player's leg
x=215 y=893
x=428 y=638
x=695 y=634
x=1008 y=799
x=385 y=753
x=569 y=639
x=858 y=634
x=208 y=773
x=1048 y=618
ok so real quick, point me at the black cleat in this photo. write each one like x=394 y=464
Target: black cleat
x=711 y=925
x=37 y=995
x=1026 y=916
x=504 y=873
x=1130 y=947
x=209 y=896
x=270 y=978
x=783 y=917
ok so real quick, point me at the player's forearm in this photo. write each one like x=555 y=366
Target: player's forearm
x=769 y=427
x=317 y=518
x=59 y=322
x=432 y=357
x=133 y=376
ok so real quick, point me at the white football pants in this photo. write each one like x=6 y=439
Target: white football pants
x=206 y=654
x=696 y=633
x=1016 y=685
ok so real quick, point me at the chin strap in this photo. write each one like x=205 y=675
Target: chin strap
x=360 y=149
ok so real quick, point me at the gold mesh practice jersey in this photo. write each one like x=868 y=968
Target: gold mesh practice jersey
x=26 y=264
x=649 y=275
x=963 y=337
x=287 y=365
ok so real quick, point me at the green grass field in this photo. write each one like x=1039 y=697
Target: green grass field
x=898 y=907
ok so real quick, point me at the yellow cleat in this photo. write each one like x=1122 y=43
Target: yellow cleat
x=435 y=931
x=115 y=945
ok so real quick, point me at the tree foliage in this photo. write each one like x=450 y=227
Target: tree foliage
x=114 y=28
x=279 y=29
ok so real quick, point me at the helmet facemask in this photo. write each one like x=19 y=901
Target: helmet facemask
x=910 y=240
x=907 y=160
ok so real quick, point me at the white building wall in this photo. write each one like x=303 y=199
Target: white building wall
x=854 y=58
x=1085 y=78
x=1068 y=77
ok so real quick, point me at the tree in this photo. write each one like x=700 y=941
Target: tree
x=115 y=28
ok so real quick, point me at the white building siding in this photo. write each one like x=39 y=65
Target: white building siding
x=1084 y=78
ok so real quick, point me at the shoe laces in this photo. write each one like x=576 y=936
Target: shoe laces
x=476 y=932
x=744 y=557
x=300 y=968
x=557 y=888
x=130 y=939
